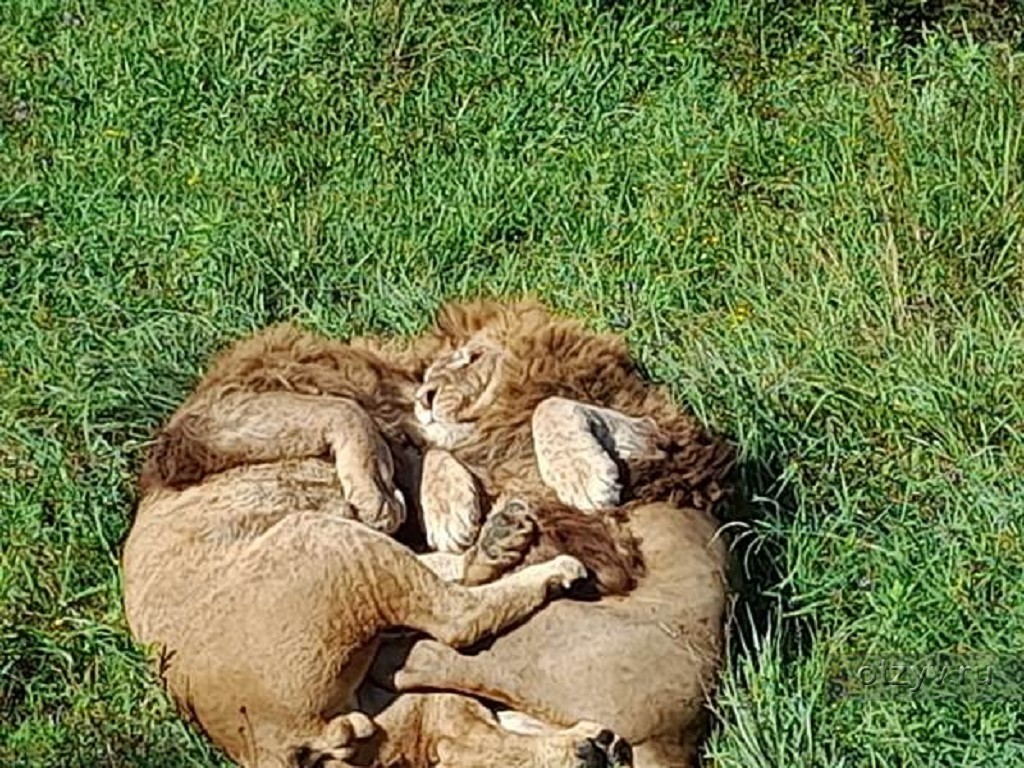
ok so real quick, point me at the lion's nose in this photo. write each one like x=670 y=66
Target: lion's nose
x=426 y=397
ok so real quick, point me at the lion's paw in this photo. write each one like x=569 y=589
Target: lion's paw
x=572 y=443
x=377 y=506
x=339 y=740
x=450 y=503
x=368 y=484
x=602 y=750
x=566 y=571
x=506 y=536
x=508 y=532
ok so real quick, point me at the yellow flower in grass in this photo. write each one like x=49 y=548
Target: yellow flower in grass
x=1006 y=542
x=740 y=314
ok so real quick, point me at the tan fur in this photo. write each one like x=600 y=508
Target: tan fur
x=645 y=663
x=446 y=730
x=265 y=598
x=282 y=358
x=382 y=377
x=450 y=503
x=543 y=358
x=266 y=603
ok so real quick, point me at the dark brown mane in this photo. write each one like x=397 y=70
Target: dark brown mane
x=550 y=356
x=601 y=542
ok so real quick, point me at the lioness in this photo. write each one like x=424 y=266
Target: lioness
x=264 y=582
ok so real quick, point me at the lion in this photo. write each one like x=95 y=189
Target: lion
x=535 y=406
x=275 y=376
x=621 y=439
x=543 y=363
x=260 y=563
x=614 y=544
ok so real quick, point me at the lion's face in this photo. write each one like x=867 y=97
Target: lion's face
x=456 y=389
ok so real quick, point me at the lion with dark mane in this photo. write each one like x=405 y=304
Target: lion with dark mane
x=508 y=418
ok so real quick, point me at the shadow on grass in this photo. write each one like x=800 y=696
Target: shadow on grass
x=761 y=594
x=759 y=576
x=910 y=22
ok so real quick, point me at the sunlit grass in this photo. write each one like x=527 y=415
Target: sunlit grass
x=813 y=234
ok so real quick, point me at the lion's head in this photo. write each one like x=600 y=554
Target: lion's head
x=457 y=388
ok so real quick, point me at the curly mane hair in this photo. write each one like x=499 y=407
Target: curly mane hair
x=281 y=358
x=551 y=356
x=546 y=356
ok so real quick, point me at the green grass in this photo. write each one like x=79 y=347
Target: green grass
x=807 y=223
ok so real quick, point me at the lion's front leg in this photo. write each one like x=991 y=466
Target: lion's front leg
x=232 y=429
x=451 y=502
x=447 y=566
x=582 y=448
x=365 y=466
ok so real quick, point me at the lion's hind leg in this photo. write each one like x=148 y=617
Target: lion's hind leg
x=460 y=616
x=459 y=732
x=322 y=588
x=594 y=745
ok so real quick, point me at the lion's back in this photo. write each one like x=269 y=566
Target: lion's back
x=234 y=555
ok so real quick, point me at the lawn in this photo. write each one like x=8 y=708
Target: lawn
x=807 y=218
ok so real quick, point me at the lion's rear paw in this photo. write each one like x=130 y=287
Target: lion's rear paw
x=567 y=570
x=508 y=532
x=603 y=750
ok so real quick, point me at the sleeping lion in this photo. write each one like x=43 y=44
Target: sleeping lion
x=204 y=440
x=536 y=407
x=267 y=577
x=618 y=440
